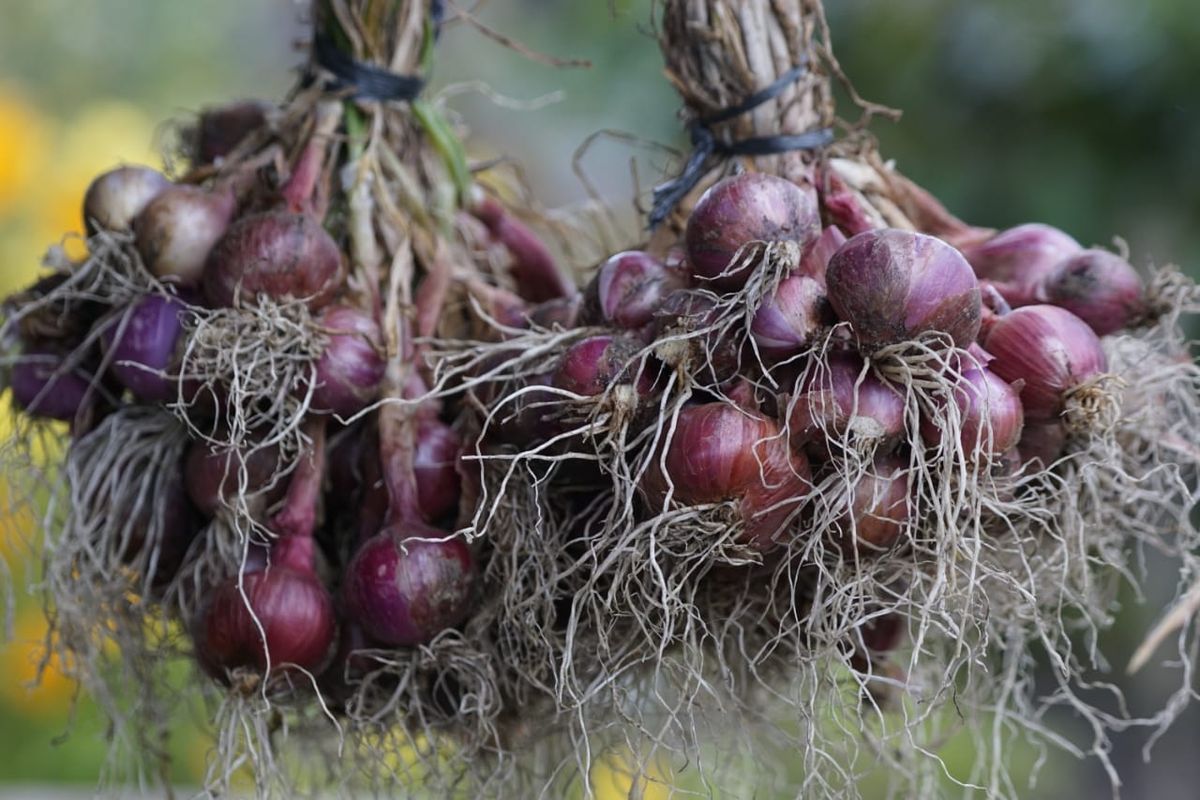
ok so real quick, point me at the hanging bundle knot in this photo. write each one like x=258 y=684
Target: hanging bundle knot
x=705 y=145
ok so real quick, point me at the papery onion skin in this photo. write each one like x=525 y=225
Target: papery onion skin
x=990 y=414
x=840 y=401
x=628 y=289
x=277 y=253
x=720 y=453
x=789 y=319
x=142 y=345
x=351 y=367
x=116 y=197
x=1099 y=287
x=296 y=614
x=44 y=386
x=1018 y=259
x=177 y=230
x=1051 y=350
x=751 y=207
x=878 y=508
x=894 y=286
x=404 y=589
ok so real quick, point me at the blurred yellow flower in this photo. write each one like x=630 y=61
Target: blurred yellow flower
x=618 y=775
x=22 y=147
x=20 y=658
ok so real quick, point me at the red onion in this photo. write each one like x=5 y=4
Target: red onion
x=116 y=197
x=435 y=467
x=787 y=321
x=710 y=356
x=1019 y=258
x=721 y=453
x=149 y=332
x=222 y=128
x=592 y=365
x=1042 y=441
x=212 y=477
x=351 y=366
x=1099 y=287
x=176 y=231
x=816 y=259
x=280 y=614
x=839 y=402
x=1051 y=350
x=877 y=508
x=751 y=207
x=628 y=289
x=43 y=384
x=276 y=253
x=892 y=286
x=404 y=589
x=991 y=416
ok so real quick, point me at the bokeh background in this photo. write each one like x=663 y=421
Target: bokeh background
x=1080 y=113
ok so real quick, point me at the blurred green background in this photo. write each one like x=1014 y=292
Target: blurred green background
x=1080 y=113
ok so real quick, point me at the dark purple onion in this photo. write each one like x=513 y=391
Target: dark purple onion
x=591 y=366
x=352 y=365
x=404 y=589
x=893 y=286
x=788 y=320
x=1099 y=287
x=1042 y=441
x=276 y=253
x=222 y=128
x=751 y=207
x=878 y=508
x=141 y=359
x=991 y=416
x=1051 y=350
x=435 y=467
x=840 y=402
x=719 y=453
x=628 y=289
x=561 y=312
x=212 y=477
x=287 y=600
x=43 y=384
x=176 y=231
x=116 y=197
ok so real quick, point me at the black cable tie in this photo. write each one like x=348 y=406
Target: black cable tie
x=705 y=145
x=368 y=81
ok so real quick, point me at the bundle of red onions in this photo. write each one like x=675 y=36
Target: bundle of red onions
x=402 y=478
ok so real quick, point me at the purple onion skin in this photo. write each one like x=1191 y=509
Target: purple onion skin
x=116 y=197
x=628 y=289
x=832 y=403
x=42 y=387
x=1099 y=287
x=719 y=453
x=177 y=230
x=296 y=614
x=212 y=478
x=276 y=253
x=751 y=207
x=816 y=259
x=787 y=321
x=991 y=414
x=404 y=593
x=222 y=128
x=879 y=508
x=892 y=286
x=351 y=367
x=591 y=366
x=1019 y=258
x=141 y=359
x=1042 y=441
x=1048 y=348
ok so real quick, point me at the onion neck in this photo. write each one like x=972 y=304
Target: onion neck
x=297 y=521
x=299 y=191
